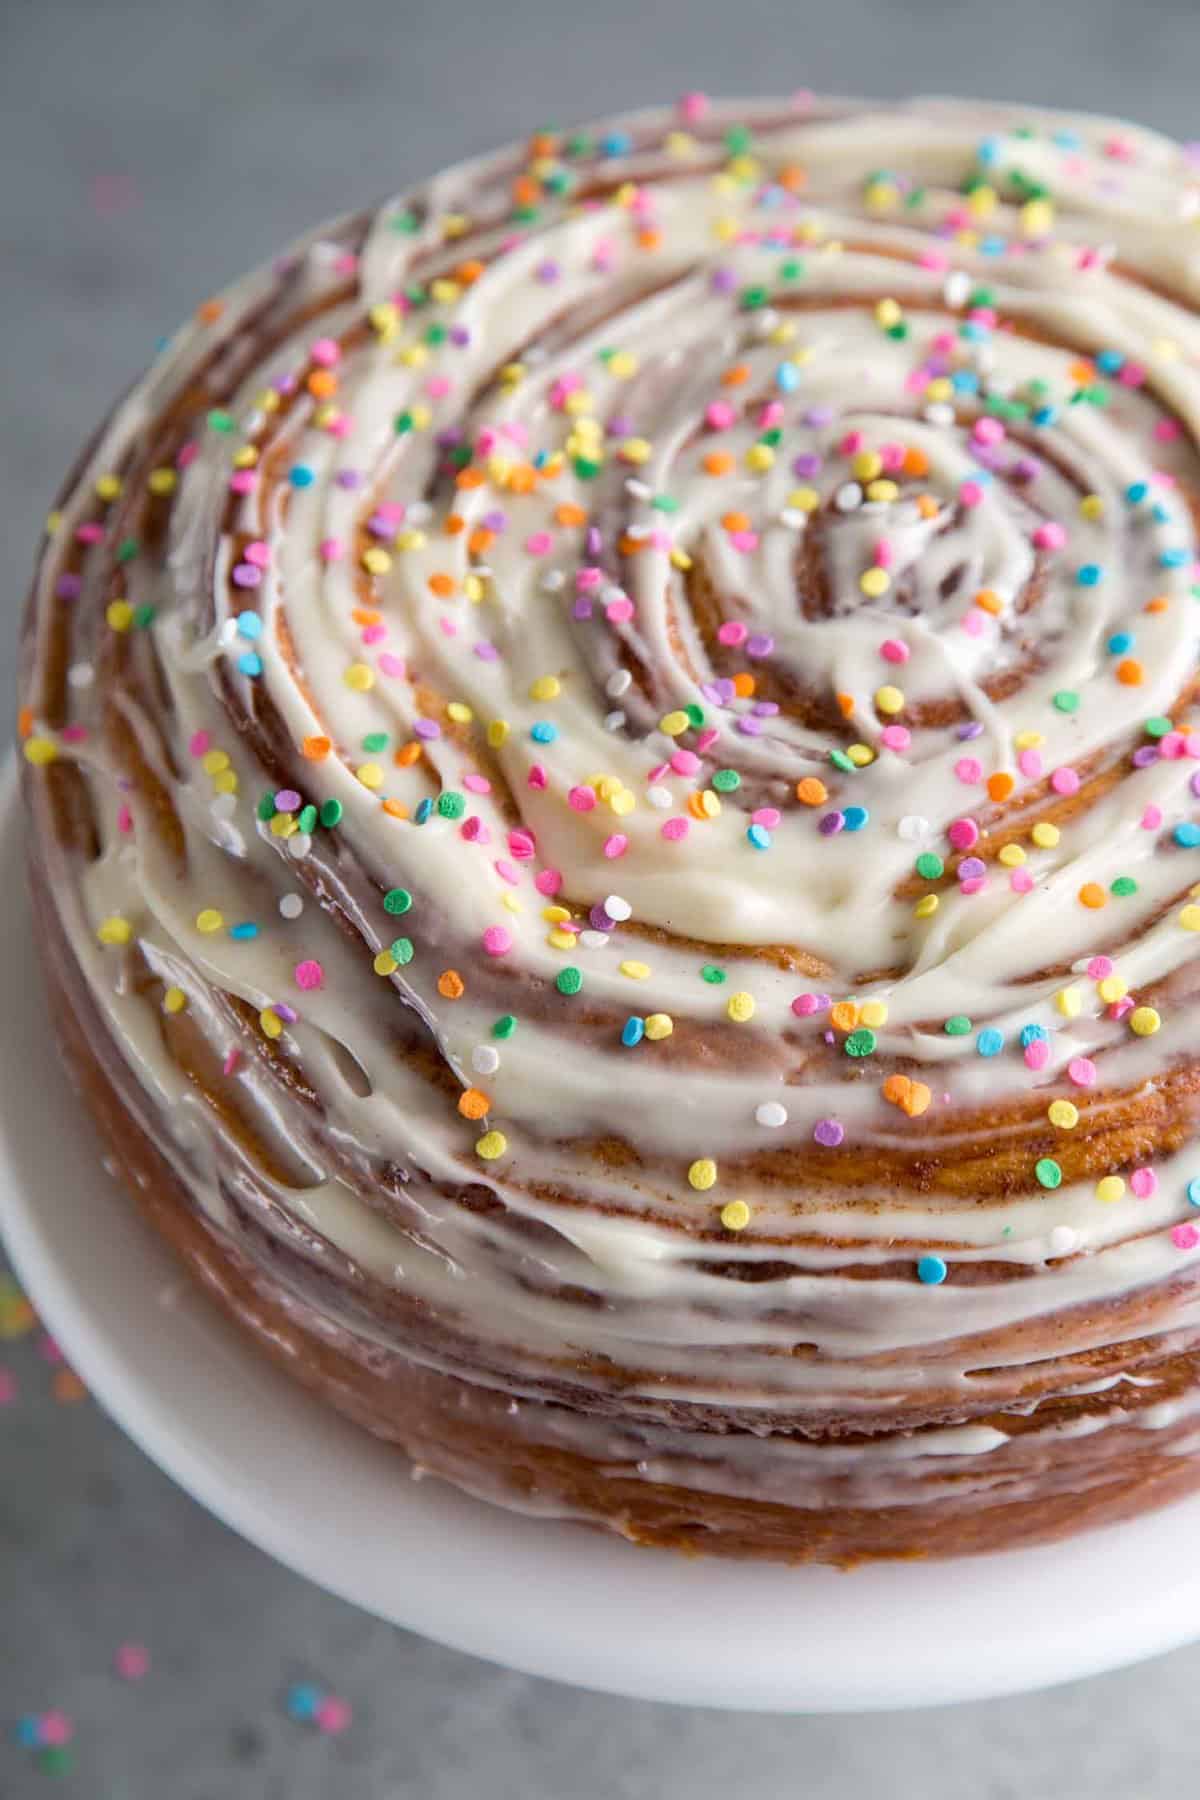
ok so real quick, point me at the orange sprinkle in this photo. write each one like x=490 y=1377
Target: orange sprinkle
x=917 y=1099
x=631 y=546
x=543 y=143
x=736 y=521
x=1130 y=672
x=323 y=383
x=1093 y=895
x=649 y=238
x=845 y=704
x=744 y=684
x=469 y=271
x=473 y=1103
x=989 y=601
x=523 y=479
x=526 y=191
x=916 y=462
x=469 y=478
x=567 y=513
x=792 y=177
x=366 y=615
x=1161 y=603
x=454 y=524
x=395 y=809
x=844 y=1016
x=25 y=721
x=896 y=1088
x=812 y=791
x=209 y=311
x=450 y=985
x=718 y=462
x=695 y=805
x=480 y=540
x=734 y=377
x=442 y=585
x=927 y=506
x=1000 y=785
x=407 y=754
x=316 y=748
x=68 y=1388
x=1083 y=372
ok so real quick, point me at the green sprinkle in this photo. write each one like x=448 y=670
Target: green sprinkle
x=695 y=714
x=55 y=1759
x=143 y=616
x=840 y=760
x=860 y=1042
x=791 y=270
x=436 y=334
x=331 y=814
x=930 y=866
x=1123 y=886
x=569 y=980
x=737 y=139
x=307 y=819
x=726 y=781
x=403 y=422
x=1048 y=1172
x=220 y=420
x=397 y=900
x=1158 y=727
x=1067 y=700
x=712 y=974
x=665 y=503
x=753 y=299
x=958 y=1025
x=505 y=1025
x=406 y=222
x=127 y=549
x=266 y=808
x=375 y=741
x=402 y=950
x=451 y=804
x=585 y=467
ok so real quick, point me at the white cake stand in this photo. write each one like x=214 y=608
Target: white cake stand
x=552 y=1599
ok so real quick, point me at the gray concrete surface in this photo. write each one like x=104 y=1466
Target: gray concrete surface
x=147 y=153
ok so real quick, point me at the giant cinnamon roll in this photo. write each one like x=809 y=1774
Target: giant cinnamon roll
x=614 y=810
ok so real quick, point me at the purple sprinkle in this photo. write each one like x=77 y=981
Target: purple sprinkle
x=287 y=800
x=1195 y=784
x=582 y=607
x=938 y=363
x=972 y=729
x=287 y=1013
x=548 y=272
x=427 y=728
x=711 y=691
x=68 y=587
x=593 y=541
x=486 y=652
x=495 y=521
x=818 y=415
x=760 y=644
x=726 y=692
x=807 y=464
x=828 y=1133
x=620 y=425
x=765 y=709
x=1026 y=468
x=599 y=919
x=284 y=384
x=1144 y=755
x=724 y=281
x=750 y=727
x=831 y=823
x=448 y=437
x=246 y=575
x=459 y=335
x=349 y=478
x=971 y=868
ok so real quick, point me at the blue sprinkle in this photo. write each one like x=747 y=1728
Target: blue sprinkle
x=1033 y=1034
x=423 y=810
x=965 y=381
x=1193 y=1191
x=854 y=818
x=249 y=625
x=931 y=1270
x=787 y=377
x=982 y=476
x=616 y=143
x=1043 y=415
x=759 y=836
x=246 y=929
x=990 y=1042
x=1120 y=642
x=1174 y=559
x=27 y=1732
x=1067 y=140
x=993 y=246
x=1136 y=492
x=543 y=732
x=1160 y=513
x=1089 y=574
x=301 y=476
x=974 y=333
x=1187 y=835
x=633 y=1031
x=1110 y=361
x=250 y=662
x=988 y=151
x=541 y=459
x=302 y=1700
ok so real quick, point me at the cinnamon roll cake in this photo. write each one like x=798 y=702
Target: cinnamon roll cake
x=614 y=803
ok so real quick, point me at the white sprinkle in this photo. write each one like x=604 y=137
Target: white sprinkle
x=227 y=637
x=81 y=675
x=299 y=845
x=617 y=683
x=223 y=806
x=593 y=940
x=419 y=513
x=638 y=532
x=912 y=828
x=640 y=490
x=849 y=497
x=771 y=1114
x=617 y=909
x=291 y=906
x=793 y=518
x=1063 y=1240
x=767 y=321
x=984 y=357
x=485 y=1059
x=552 y=581
x=956 y=288
x=613 y=721
x=940 y=413
x=660 y=797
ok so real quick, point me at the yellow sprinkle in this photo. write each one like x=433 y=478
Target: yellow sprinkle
x=940 y=388
x=622 y=802
x=1068 y=1002
x=491 y=1145
x=510 y=903
x=376 y=561
x=679 y=559
x=926 y=906
x=246 y=457
x=497 y=731
x=40 y=750
x=1189 y=918
x=889 y=699
x=53 y=521
x=882 y=490
x=1037 y=218
x=384 y=317
x=740 y=1007
x=759 y=458
x=455 y=225
x=174 y=1000
x=225 y=781
x=119 y=614
x=804 y=499
x=606 y=785
x=474 y=588
x=213 y=761
x=1029 y=740
x=413 y=356
x=283 y=825
x=385 y=963
x=1112 y=988
x=444 y=292
x=579 y=406
x=702 y=1173
x=108 y=487
x=860 y=755
x=459 y=712
x=873 y=1012
x=673 y=723
x=981 y=201
x=659 y=1026
x=1045 y=835
x=512 y=374
x=636 y=971
x=709 y=804
x=735 y=1215
x=874 y=582
x=410 y=539
x=635 y=450
x=359 y=677
x=546 y=687
x=209 y=919
x=421 y=416
x=888 y=312
x=561 y=940
x=622 y=364
x=370 y=774
x=271 y=1023
x=556 y=915
x=114 y=930
x=1092 y=506
x=1011 y=855
x=1144 y=1021
x=867 y=465
x=162 y=481
x=1110 y=1188
x=679 y=143
x=1063 y=1114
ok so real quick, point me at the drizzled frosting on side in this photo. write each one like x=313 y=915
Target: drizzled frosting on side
x=633 y=709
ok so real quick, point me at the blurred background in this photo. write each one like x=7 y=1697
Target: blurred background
x=148 y=153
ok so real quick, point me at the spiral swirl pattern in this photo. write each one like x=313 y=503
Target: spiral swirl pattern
x=611 y=757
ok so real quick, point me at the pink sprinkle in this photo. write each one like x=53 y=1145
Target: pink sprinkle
x=1030 y=764
x=473 y=830
x=55 y=1728
x=895 y=737
x=581 y=799
x=1121 y=1009
x=309 y=974
x=73 y=734
x=124 y=819
x=968 y=769
x=521 y=845
x=538 y=543
x=685 y=762
x=1171 y=747
x=588 y=578
x=1099 y=967
x=975 y=884
x=89 y=534
x=732 y=633
x=506 y=872
x=199 y=742
x=374 y=634
x=744 y=540
x=333 y=1715
x=693 y=106
x=804 y=1005
x=1185 y=1237
x=963 y=833
x=710 y=734
x=332 y=549
x=257 y=553
x=1037 y=1054
x=851 y=444
x=892 y=457
x=1144 y=1183
x=883 y=554
x=232 y=1059
x=438 y=386
x=719 y=414
x=187 y=455
x=970 y=494
x=497 y=940
x=987 y=430
x=770 y=415
x=1082 y=1071
x=1152 y=817
x=132 y=1661
x=766 y=815
x=448 y=627
x=675 y=828
x=391 y=664
x=326 y=352
x=1166 y=430
x=537 y=777
x=1021 y=881
x=894 y=651
x=1065 y=781
x=1132 y=375
x=243 y=481
x=1050 y=536
x=974 y=622
x=548 y=881
x=619 y=612
x=477 y=784
x=934 y=259
x=616 y=845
